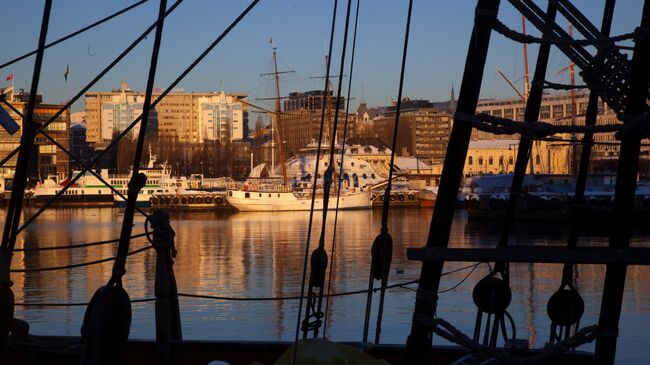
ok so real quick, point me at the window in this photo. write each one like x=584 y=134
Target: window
x=247 y=195
x=490 y=161
x=500 y=160
x=364 y=176
x=480 y=160
x=538 y=160
x=470 y=160
x=510 y=160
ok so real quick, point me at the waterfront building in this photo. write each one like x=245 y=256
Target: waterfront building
x=498 y=156
x=423 y=131
x=46 y=158
x=300 y=121
x=221 y=118
x=311 y=100
x=556 y=108
x=185 y=117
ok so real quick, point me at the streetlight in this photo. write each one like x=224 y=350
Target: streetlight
x=201 y=168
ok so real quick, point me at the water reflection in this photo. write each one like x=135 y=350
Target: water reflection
x=261 y=254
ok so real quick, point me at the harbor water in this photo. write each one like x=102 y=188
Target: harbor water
x=255 y=255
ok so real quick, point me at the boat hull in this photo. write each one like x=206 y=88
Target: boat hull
x=67 y=350
x=258 y=201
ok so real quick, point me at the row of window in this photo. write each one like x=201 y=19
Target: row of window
x=490 y=160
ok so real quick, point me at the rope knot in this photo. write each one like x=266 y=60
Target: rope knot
x=634 y=125
x=427 y=299
x=163 y=233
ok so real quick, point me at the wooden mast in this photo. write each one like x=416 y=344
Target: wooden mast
x=278 y=117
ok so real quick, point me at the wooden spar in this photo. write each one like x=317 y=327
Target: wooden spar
x=625 y=192
x=531 y=114
x=14 y=212
x=418 y=345
x=588 y=138
x=592 y=110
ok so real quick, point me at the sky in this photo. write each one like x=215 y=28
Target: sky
x=440 y=33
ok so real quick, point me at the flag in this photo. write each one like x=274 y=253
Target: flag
x=10 y=77
x=7 y=122
x=67 y=72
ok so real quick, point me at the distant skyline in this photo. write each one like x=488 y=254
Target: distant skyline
x=300 y=30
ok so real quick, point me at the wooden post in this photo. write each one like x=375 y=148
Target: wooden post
x=168 y=319
x=628 y=166
x=14 y=211
x=418 y=344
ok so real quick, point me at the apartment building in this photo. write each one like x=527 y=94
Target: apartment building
x=186 y=117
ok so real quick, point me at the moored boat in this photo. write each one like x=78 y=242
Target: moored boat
x=278 y=198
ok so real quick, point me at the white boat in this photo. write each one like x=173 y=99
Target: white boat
x=89 y=190
x=285 y=198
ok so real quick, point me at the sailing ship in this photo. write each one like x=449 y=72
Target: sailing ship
x=107 y=322
x=261 y=193
x=275 y=198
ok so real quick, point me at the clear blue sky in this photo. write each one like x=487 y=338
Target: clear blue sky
x=300 y=28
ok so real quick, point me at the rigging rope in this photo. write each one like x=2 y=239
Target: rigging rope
x=183 y=74
x=75 y=304
x=75 y=245
x=75 y=98
x=319 y=256
x=504 y=30
x=75 y=158
x=556 y=86
x=340 y=177
x=76 y=33
x=138 y=180
x=403 y=285
x=382 y=247
x=313 y=195
x=539 y=129
x=82 y=264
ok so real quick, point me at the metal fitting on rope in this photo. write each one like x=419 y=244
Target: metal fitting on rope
x=492 y=295
x=318 y=267
x=382 y=254
x=328 y=177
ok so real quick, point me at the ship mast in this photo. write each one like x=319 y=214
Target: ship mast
x=278 y=115
x=526 y=79
x=328 y=109
x=572 y=75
